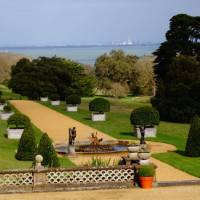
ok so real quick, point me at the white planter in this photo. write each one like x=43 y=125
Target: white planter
x=98 y=117
x=2 y=106
x=14 y=133
x=149 y=132
x=44 y=99
x=55 y=103
x=144 y=162
x=71 y=108
x=133 y=149
x=5 y=116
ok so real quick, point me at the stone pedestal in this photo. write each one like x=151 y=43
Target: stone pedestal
x=71 y=150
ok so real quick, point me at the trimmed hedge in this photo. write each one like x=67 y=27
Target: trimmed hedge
x=18 y=121
x=100 y=105
x=193 y=142
x=27 y=145
x=145 y=116
x=146 y=171
x=47 y=151
x=73 y=99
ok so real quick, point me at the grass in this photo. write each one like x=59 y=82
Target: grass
x=118 y=126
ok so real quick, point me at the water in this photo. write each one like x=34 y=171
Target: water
x=82 y=54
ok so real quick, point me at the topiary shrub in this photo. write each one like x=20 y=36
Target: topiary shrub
x=2 y=101
x=193 y=142
x=73 y=99
x=54 y=97
x=47 y=150
x=146 y=171
x=145 y=116
x=99 y=105
x=18 y=121
x=7 y=109
x=27 y=145
x=1 y=93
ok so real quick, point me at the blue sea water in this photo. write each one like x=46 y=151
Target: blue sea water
x=82 y=54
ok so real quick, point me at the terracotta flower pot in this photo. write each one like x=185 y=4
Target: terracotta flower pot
x=146 y=182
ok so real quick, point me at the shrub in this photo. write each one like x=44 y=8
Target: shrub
x=47 y=150
x=1 y=93
x=18 y=121
x=2 y=101
x=193 y=142
x=73 y=99
x=27 y=145
x=7 y=109
x=145 y=116
x=146 y=171
x=54 y=97
x=99 y=105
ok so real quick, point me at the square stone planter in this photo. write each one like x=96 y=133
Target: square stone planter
x=149 y=131
x=5 y=116
x=72 y=108
x=98 y=117
x=55 y=103
x=44 y=99
x=2 y=106
x=14 y=133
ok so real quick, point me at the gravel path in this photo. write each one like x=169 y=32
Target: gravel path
x=167 y=193
x=56 y=125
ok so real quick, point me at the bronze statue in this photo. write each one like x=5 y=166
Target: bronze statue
x=142 y=132
x=72 y=135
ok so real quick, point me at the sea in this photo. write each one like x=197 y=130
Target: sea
x=81 y=54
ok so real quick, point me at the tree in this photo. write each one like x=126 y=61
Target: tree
x=46 y=76
x=27 y=145
x=47 y=150
x=115 y=67
x=177 y=70
x=193 y=142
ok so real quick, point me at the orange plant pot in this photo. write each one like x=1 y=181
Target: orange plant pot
x=146 y=182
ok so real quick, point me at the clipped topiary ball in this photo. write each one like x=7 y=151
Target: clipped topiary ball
x=18 y=121
x=145 y=116
x=73 y=99
x=99 y=105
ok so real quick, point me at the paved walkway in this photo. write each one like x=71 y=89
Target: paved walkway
x=167 y=193
x=56 y=125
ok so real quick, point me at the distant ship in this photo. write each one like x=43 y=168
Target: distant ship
x=127 y=43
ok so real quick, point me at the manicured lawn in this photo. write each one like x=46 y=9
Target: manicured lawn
x=118 y=125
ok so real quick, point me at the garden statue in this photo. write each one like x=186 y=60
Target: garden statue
x=95 y=140
x=142 y=132
x=72 y=136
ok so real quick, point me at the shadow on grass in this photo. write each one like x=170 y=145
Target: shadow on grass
x=127 y=134
x=181 y=152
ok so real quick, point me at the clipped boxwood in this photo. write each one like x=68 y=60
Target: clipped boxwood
x=99 y=105
x=7 y=109
x=145 y=116
x=73 y=99
x=2 y=101
x=18 y=121
x=146 y=171
x=54 y=97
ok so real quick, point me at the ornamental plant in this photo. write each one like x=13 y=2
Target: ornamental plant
x=27 y=145
x=145 y=116
x=193 y=142
x=2 y=101
x=73 y=99
x=47 y=151
x=7 y=109
x=54 y=97
x=99 y=105
x=146 y=171
x=18 y=121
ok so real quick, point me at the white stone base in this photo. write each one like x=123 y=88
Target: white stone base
x=144 y=155
x=144 y=162
x=149 y=132
x=72 y=108
x=14 y=133
x=98 y=117
x=2 y=106
x=55 y=103
x=5 y=116
x=44 y=99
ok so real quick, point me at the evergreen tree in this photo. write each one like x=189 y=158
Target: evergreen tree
x=27 y=145
x=47 y=150
x=193 y=142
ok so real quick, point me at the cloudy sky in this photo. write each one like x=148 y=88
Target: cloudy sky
x=60 y=22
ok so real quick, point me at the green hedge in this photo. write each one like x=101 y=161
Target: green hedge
x=73 y=99
x=27 y=145
x=18 y=121
x=145 y=116
x=99 y=105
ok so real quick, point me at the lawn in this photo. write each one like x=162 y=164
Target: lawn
x=118 y=125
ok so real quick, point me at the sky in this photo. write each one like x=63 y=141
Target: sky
x=61 y=22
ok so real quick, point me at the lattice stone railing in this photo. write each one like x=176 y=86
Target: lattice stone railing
x=91 y=176
x=16 y=178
